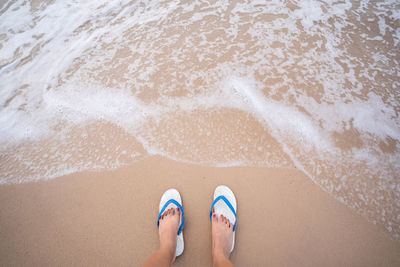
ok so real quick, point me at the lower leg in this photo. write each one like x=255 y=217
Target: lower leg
x=222 y=236
x=160 y=258
x=222 y=261
x=168 y=229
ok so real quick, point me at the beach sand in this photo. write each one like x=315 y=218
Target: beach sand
x=109 y=218
x=294 y=105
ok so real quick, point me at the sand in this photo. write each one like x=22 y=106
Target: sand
x=307 y=87
x=109 y=218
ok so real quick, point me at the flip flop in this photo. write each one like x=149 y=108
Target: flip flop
x=172 y=199
x=225 y=204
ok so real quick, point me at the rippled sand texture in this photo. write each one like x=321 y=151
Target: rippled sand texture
x=312 y=85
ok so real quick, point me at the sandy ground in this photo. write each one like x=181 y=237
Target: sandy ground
x=108 y=218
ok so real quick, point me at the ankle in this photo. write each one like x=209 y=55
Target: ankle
x=218 y=257
x=167 y=253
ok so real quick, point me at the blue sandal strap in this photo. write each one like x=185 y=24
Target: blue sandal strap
x=163 y=209
x=227 y=203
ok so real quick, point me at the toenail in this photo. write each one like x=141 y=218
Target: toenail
x=214 y=215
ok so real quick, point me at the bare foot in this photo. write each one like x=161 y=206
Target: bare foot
x=222 y=235
x=168 y=229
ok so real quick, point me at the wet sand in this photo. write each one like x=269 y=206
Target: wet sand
x=108 y=218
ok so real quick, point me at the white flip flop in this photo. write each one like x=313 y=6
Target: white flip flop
x=172 y=199
x=225 y=204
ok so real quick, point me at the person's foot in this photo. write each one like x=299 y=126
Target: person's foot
x=222 y=236
x=168 y=229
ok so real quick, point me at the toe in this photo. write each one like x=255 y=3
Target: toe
x=214 y=217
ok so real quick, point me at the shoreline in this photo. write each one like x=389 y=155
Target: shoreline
x=108 y=218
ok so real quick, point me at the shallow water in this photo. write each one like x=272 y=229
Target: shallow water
x=312 y=85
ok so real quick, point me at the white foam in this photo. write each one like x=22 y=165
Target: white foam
x=309 y=12
x=282 y=120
